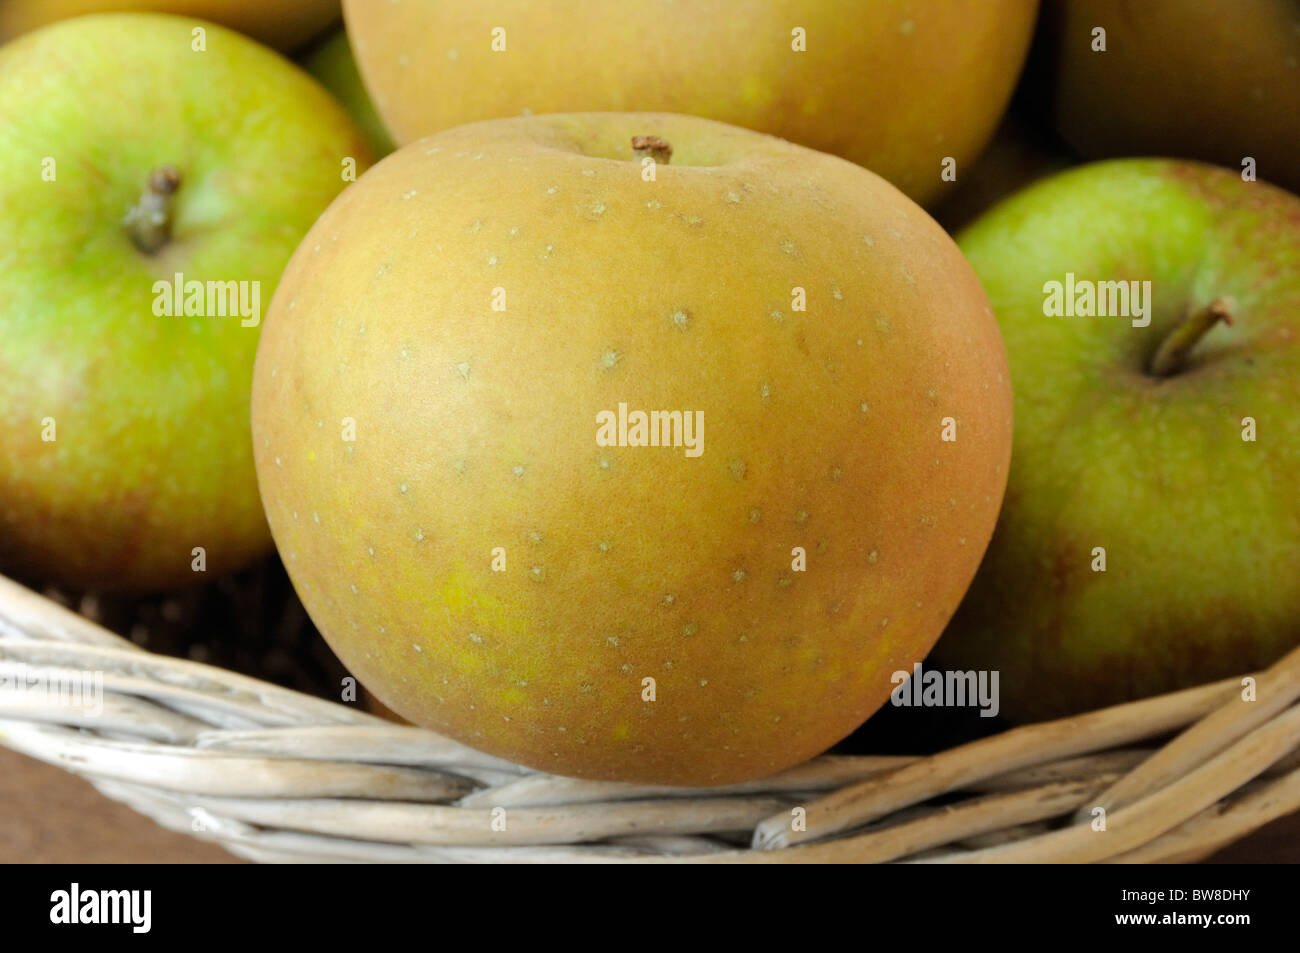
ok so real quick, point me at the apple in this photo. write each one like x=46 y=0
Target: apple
x=123 y=413
x=893 y=85
x=451 y=427
x=284 y=24
x=1019 y=154
x=1150 y=538
x=331 y=63
x=1217 y=80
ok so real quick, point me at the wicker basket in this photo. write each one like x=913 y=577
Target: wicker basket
x=276 y=775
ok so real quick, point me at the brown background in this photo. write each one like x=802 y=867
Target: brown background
x=50 y=816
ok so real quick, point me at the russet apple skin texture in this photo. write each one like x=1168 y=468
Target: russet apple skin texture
x=475 y=431
x=1160 y=89
x=895 y=86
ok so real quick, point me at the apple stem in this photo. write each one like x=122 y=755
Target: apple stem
x=653 y=146
x=1171 y=356
x=149 y=221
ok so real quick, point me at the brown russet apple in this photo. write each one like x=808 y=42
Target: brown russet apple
x=1217 y=80
x=894 y=85
x=630 y=446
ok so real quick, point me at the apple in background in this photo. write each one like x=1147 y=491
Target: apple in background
x=284 y=24
x=1019 y=154
x=125 y=430
x=482 y=302
x=1216 y=80
x=893 y=85
x=331 y=63
x=1130 y=439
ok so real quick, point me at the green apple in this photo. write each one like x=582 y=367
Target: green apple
x=332 y=64
x=284 y=24
x=123 y=408
x=1150 y=537
x=898 y=86
x=472 y=497
x=1215 y=79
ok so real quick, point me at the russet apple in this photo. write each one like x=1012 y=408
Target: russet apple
x=145 y=216
x=630 y=446
x=1216 y=79
x=284 y=24
x=893 y=85
x=1150 y=538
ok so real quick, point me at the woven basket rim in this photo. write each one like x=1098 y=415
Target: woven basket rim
x=273 y=774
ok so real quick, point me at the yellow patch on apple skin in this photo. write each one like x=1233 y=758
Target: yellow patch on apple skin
x=755 y=92
x=455 y=592
x=621 y=732
x=467 y=662
x=512 y=696
x=468 y=606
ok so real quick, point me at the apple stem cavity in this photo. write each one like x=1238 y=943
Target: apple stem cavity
x=1171 y=357
x=149 y=221
x=658 y=149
